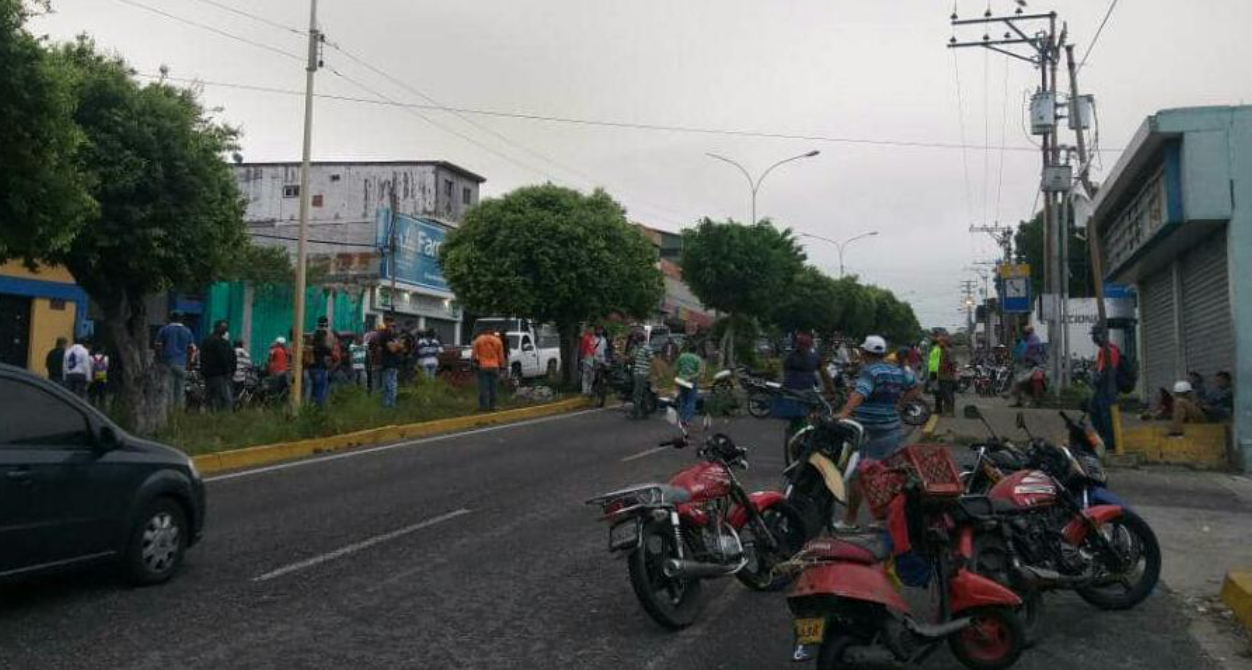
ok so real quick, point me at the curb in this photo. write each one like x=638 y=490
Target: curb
x=1237 y=594
x=928 y=431
x=266 y=454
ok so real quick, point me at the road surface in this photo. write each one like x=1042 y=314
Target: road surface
x=472 y=551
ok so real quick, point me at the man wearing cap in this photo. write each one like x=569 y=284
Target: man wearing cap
x=877 y=393
x=1186 y=408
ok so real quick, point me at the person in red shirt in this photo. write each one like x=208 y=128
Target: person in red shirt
x=1104 y=395
x=587 y=359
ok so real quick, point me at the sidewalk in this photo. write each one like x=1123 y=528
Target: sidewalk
x=1203 y=521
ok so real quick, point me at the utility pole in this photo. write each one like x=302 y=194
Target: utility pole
x=967 y=299
x=391 y=243
x=297 y=330
x=1044 y=44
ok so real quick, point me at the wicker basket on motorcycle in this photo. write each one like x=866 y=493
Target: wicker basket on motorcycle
x=929 y=465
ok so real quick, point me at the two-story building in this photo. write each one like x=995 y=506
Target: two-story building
x=1175 y=218
x=349 y=242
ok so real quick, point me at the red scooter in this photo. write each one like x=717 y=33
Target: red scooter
x=701 y=525
x=848 y=611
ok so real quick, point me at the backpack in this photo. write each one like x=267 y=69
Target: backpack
x=72 y=361
x=1126 y=375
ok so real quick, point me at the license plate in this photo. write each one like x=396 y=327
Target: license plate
x=810 y=631
x=624 y=535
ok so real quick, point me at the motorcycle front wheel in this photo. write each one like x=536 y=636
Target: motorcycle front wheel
x=995 y=639
x=672 y=603
x=760 y=404
x=787 y=527
x=1135 y=544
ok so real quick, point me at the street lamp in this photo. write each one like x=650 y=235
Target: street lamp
x=841 y=245
x=755 y=184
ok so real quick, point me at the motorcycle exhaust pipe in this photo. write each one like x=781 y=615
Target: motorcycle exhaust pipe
x=873 y=658
x=676 y=568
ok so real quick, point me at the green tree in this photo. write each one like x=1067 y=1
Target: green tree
x=169 y=212
x=1028 y=240
x=554 y=255
x=740 y=270
x=814 y=303
x=43 y=198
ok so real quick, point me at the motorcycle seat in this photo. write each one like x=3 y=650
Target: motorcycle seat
x=866 y=548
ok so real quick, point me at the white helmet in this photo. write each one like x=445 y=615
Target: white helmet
x=1182 y=387
x=874 y=345
x=280 y=340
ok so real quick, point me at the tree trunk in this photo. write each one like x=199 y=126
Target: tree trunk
x=570 y=372
x=141 y=393
x=728 y=343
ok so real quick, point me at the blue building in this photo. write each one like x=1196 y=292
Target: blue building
x=1175 y=218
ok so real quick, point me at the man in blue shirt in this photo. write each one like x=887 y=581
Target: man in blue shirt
x=173 y=342
x=873 y=403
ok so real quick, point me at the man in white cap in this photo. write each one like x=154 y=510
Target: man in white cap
x=875 y=397
x=1186 y=409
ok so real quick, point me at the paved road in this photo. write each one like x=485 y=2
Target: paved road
x=474 y=551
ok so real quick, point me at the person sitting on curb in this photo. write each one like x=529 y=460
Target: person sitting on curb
x=1186 y=409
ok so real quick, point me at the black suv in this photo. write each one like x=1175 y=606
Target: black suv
x=76 y=490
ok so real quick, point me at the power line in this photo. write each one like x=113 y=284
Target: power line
x=1099 y=31
x=332 y=242
x=254 y=17
x=218 y=31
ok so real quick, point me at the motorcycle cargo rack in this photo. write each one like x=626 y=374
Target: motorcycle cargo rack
x=929 y=465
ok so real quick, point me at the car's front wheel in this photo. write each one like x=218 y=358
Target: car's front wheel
x=157 y=543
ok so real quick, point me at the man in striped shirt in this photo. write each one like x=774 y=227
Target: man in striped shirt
x=641 y=367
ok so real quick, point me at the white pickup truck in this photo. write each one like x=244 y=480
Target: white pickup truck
x=533 y=350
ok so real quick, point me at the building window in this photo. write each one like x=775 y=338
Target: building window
x=291 y=191
x=317 y=200
x=466 y=195
x=334 y=177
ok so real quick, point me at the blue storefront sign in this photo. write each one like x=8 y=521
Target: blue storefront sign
x=417 y=243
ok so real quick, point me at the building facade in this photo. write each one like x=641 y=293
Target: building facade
x=36 y=307
x=351 y=239
x=680 y=309
x=1175 y=218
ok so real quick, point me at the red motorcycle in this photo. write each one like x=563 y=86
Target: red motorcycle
x=848 y=612
x=701 y=525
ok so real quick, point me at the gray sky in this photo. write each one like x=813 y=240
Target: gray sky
x=875 y=70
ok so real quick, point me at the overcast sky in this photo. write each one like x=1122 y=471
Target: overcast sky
x=871 y=70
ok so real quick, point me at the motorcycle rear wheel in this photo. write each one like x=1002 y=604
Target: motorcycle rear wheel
x=787 y=526
x=994 y=641
x=760 y=404
x=672 y=603
x=830 y=655
x=1132 y=537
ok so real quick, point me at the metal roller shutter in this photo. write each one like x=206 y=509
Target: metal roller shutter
x=1208 y=331
x=1159 y=348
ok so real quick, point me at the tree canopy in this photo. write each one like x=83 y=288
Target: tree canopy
x=740 y=269
x=43 y=197
x=1028 y=240
x=552 y=254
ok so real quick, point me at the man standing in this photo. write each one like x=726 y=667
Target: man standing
x=878 y=392
x=1033 y=360
x=55 y=361
x=173 y=342
x=323 y=355
x=357 y=353
x=390 y=358
x=687 y=369
x=947 y=378
x=1104 y=394
x=489 y=356
x=77 y=369
x=217 y=365
x=428 y=350
x=587 y=359
x=641 y=366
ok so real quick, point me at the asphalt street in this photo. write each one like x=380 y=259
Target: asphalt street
x=474 y=551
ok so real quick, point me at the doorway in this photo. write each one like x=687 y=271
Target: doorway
x=14 y=329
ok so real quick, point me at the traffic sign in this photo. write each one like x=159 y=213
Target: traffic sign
x=1017 y=294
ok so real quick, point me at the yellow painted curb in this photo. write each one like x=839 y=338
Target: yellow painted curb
x=1237 y=594
x=928 y=431
x=251 y=457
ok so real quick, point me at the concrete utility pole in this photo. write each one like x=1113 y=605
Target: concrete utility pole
x=1045 y=45
x=297 y=329
x=967 y=299
x=755 y=184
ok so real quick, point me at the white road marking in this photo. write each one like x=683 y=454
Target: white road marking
x=388 y=447
x=364 y=544
x=642 y=454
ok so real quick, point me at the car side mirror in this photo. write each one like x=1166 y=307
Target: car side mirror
x=107 y=439
x=972 y=412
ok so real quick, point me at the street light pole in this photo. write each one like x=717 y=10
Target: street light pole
x=297 y=329
x=755 y=184
x=841 y=245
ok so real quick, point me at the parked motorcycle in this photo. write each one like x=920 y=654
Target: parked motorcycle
x=847 y=610
x=757 y=391
x=701 y=525
x=620 y=380
x=1054 y=524
x=824 y=450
